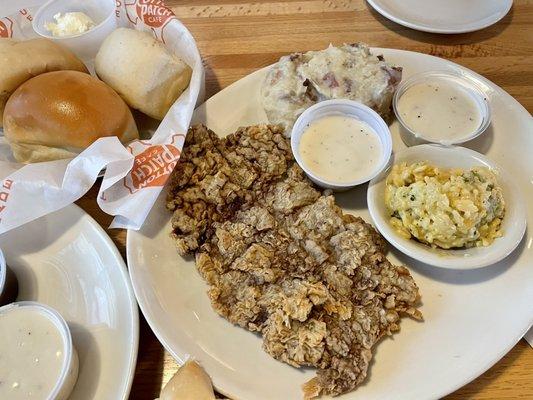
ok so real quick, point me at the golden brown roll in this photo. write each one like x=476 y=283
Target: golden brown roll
x=22 y=60
x=58 y=114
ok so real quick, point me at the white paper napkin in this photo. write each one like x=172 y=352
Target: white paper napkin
x=134 y=174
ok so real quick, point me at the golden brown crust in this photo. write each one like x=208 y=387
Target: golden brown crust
x=65 y=111
x=282 y=259
x=215 y=177
x=22 y=60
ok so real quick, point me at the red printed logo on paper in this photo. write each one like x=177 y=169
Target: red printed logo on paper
x=26 y=13
x=153 y=12
x=153 y=166
x=6 y=28
x=5 y=189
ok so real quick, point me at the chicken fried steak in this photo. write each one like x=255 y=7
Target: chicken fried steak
x=282 y=259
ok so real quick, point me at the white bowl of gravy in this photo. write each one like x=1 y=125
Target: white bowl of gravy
x=38 y=359
x=440 y=107
x=341 y=143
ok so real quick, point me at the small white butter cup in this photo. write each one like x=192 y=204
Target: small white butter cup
x=346 y=108
x=84 y=45
x=69 y=369
x=468 y=83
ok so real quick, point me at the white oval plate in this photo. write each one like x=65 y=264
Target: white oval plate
x=513 y=226
x=472 y=318
x=443 y=16
x=67 y=261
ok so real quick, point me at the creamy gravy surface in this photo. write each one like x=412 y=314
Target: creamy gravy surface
x=31 y=354
x=340 y=149
x=439 y=111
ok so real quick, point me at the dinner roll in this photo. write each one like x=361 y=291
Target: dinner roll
x=189 y=383
x=58 y=114
x=22 y=60
x=147 y=76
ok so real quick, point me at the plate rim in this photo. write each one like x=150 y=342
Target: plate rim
x=377 y=6
x=132 y=299
x=123 y=271
x=133 y=235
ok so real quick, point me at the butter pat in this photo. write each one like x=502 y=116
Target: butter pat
x=70 y=23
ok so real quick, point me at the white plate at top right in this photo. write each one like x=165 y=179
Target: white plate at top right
x=443 y=16
x=513 y=225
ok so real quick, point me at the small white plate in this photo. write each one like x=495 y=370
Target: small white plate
x=67 y=261
x=443 y=16
x=513 y=225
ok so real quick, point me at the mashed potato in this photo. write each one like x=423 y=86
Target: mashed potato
x=351 y=71
x=445 y=208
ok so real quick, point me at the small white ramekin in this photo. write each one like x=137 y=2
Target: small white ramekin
x=347 y=108
x=513 y=223
x=8 y=282
x=69 y=370
x=85 y=45
x=412 y=138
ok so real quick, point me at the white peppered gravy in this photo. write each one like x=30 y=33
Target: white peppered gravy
x=31 y=354
x=439 y=111
x=340 y=149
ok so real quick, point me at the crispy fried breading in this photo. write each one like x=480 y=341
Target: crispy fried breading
x=282 y=259
x=214 y=178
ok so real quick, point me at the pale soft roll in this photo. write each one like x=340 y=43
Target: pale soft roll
x=145 y=74
x=58 y=114
x=22 y=60
x=189 y=383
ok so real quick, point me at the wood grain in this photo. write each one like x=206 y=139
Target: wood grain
x=236 y=37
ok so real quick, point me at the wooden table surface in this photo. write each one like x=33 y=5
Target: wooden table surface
x=237 y=37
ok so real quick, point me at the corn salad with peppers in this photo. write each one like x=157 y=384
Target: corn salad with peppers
x=446 y=208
